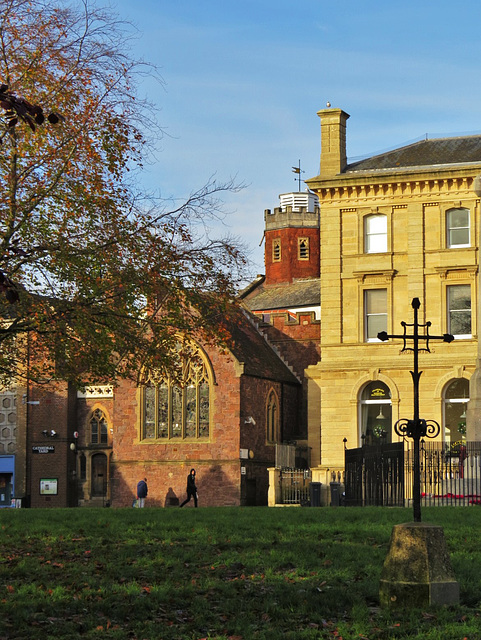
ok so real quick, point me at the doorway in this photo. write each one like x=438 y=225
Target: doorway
x=99 y=476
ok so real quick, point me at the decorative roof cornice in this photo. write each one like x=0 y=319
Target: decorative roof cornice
x=399 y=186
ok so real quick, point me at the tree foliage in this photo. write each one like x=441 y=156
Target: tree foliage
x=100 y=275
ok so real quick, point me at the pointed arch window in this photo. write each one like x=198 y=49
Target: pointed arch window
x=98 y=428
x=177 y=407
x=272 y=417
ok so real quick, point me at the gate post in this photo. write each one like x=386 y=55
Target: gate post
x=274 y=492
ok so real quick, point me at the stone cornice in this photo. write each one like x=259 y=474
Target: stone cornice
x=457 y=272
x=377 y=275
x=431 y=184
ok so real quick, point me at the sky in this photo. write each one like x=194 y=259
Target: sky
x=243 y=81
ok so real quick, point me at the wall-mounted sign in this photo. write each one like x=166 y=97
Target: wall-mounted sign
x=43 y=449
x=48 y=486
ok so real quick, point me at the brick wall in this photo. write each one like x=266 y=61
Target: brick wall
x=167 y=464
x=223 y=478
x=290 y=267
x=50 y=414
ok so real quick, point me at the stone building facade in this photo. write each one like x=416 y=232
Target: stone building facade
x=393 y=227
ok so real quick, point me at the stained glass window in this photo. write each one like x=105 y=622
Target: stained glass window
x=178 y=406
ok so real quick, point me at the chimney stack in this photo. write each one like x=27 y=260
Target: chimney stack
x=333 y=141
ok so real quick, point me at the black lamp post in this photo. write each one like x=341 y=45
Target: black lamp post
x=416 y=428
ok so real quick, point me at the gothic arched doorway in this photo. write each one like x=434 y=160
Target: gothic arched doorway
x=98 y=485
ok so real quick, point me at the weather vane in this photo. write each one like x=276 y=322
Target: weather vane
x=297 y=171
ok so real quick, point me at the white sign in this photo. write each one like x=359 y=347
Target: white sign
x=43 y=449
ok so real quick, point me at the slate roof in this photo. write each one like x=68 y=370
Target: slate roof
x=300 y=293
x=426 y=153
x=250 y=347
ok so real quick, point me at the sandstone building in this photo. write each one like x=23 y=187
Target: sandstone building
x=396 y=226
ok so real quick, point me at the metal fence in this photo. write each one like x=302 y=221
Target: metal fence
x=383 y=476
x=450 y=473
x=295 y=486
x=374 y=475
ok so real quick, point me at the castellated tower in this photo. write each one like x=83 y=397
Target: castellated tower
x=292 y=239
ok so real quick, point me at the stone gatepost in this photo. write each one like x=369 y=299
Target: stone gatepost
x=274 y=492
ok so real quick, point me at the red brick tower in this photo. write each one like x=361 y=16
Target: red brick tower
x=292 y=239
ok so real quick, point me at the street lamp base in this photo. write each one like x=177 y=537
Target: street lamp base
x=417 y=571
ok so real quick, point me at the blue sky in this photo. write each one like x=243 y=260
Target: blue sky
x=243 y=82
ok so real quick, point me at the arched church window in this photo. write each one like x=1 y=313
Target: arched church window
x=272 y=417
x=456 y=398
x=98 y=428
x=375 y=414
x=177 y=406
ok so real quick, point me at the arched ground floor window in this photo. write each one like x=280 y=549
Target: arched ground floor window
x=375 y=414
x=455 y=401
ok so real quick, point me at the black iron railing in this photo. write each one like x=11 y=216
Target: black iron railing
x=450 y=474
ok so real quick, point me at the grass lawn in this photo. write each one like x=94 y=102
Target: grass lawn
x=235 y=573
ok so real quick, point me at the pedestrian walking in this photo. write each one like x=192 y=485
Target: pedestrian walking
x=191 y=489
x=142 y=491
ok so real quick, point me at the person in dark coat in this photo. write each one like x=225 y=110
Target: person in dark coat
x=191 y=489
x=142 y=491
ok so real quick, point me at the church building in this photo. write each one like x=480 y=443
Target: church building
x=223 y=417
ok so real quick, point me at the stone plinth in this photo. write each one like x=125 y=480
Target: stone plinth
x=417 y=571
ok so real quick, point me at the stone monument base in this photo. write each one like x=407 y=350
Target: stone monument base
x=417 y=571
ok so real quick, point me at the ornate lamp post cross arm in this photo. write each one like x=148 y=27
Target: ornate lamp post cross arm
x=416 y=428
